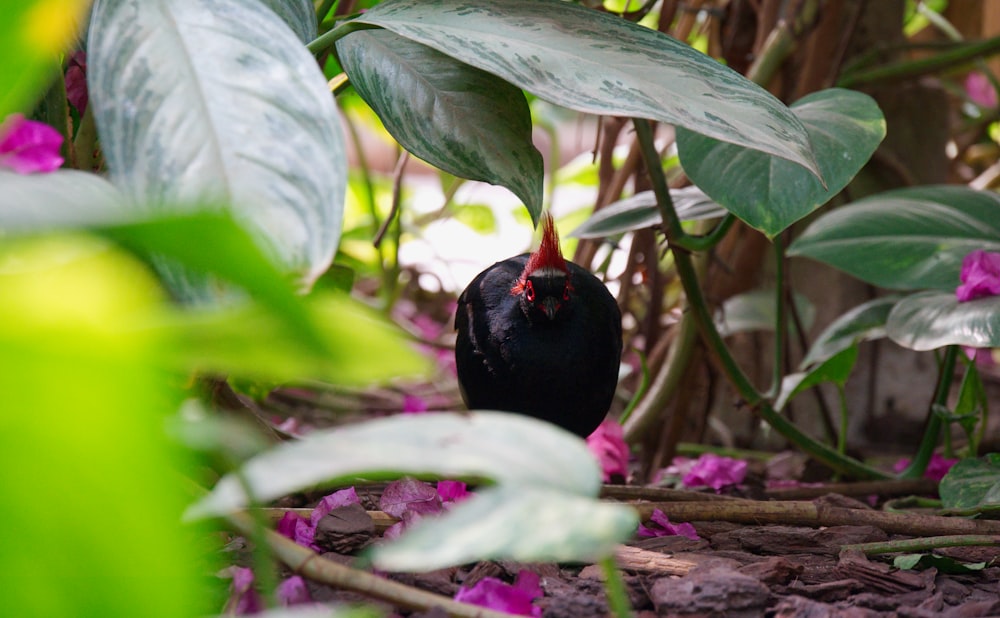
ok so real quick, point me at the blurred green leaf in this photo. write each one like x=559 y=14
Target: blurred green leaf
x=972 y=484
x=756 y=311
x=521 y=523
x=835 y=369
x=908 y=239
x=862 y=323
x=460 y=119
x=770 y=193
x=212 y=243
x=640 y=211
x=32 y=35
x=943 y=564
x=299 y=15
x=84 y=405
x=355 y=344
x=930 y=320
x=508 y=449
x=478 y=217
x=58 y=200
x=195 y=107
x=598 y=63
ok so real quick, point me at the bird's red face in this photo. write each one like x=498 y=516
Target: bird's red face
x=544 y=286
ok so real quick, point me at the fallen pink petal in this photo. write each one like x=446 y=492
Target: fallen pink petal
x=414 y=405
x=936 y=469
x=715 y=471
x=243 y=597
x=293 y=591
x=514 y=599
x=453 y=491
x=344 y=497
x=607 y=443
x=663 y=527
x=980 y=276
x=411 y=495
x=28 y=146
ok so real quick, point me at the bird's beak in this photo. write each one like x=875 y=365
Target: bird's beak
x=550 y=306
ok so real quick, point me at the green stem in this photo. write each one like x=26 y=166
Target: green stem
x=640 y=392
x=265 y=568
x=698 y=307
x=933 y=430
x=780 y=318
x=614 y=588
x=326 y=40
x=842 y=434
x=915 y=68
x=925 y=543
x=324 y=10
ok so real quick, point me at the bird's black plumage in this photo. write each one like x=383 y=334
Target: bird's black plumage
x=559 y=363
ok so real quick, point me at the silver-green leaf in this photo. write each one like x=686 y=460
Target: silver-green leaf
x=202 y=101
x=770 y=193
x=598 y=63
x=300 y=15
x=862 y=323
x=640 y=211
x=460 y=119
x=498 y=446
x=525 y=524
x=61 y=199
x=931 y=320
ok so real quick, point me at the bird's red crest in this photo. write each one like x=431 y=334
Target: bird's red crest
x=548 y=255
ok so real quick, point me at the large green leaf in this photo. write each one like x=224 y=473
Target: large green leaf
x=526 y=524
x=499 y=446
x=598 y=63
x=835 y=369
x=218 y=101
x=300 y=15
x=972 y=483
x=465 y=121
x=61 y=199
x=862 y=323
x=770 y=193
x=756 y=311
x=930 y=320
x=640 y=211
x=909 y=239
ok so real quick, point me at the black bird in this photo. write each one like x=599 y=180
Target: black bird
x=541 y=336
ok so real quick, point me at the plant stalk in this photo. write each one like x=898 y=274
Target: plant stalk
x=614 y=588
x=929 y=441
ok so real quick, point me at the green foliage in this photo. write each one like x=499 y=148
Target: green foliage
x=943 y=564
x=640 y=211
x=542 y=505
x=767 y=191
x=464 y=121
x=835 y=369
x=972 y=484
x=862 y=323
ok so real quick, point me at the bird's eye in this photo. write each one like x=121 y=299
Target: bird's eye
x=529 y=291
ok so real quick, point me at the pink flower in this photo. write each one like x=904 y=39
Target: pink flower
x=663 y=527
x=410 y=500
x=414 y=405
x=453 y=491
x=293 y=591
x=243 y=597
x=27 y=146
x=716 y=472
x=607 y=443
x=303 y=531
x=980 y=276
x=937 y=467
x=980 y=90
x=76 y=81
x=494 y=594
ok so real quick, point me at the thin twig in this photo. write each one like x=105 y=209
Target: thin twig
x=397 y=185
x=925 y=543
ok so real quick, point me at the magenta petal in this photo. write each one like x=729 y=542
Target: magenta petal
x=27 y=146
x=243 y=598
x=715 y=472
x=607 y=443
x=286 y=525
x=663 y=527
x=453 y=491
x=344 y=497
x=406 y=495
x=293 y=591
x=494 y=594
x=980 y=276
